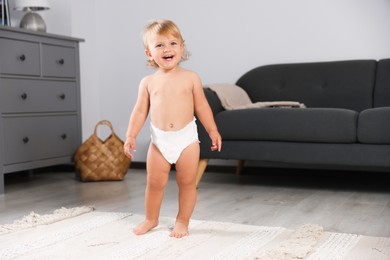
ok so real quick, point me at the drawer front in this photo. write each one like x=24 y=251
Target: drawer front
x=17 y=57
x=58 y=61
x=34 y=138
x=19 y=96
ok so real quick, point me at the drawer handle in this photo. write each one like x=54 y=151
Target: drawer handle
x=25 y=140
x=24 y=96
x=22 y=57
x=61 y=61
x=64 y=136
x=62 y=96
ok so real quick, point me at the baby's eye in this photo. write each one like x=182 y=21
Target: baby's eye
x=173 y=43
x=159 y=45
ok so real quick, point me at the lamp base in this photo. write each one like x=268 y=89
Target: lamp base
x=34 y=22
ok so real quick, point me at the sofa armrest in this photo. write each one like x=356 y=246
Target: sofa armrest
x=213 y=100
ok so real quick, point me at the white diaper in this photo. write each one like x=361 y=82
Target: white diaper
x=172 y=143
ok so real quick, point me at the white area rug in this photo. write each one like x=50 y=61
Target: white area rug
x=107 y=235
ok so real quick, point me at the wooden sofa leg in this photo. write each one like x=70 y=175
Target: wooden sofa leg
x=240 y=166
x=201 y=168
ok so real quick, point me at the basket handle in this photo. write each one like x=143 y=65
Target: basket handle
x=103 y=122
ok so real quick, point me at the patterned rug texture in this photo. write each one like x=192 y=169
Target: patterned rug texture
x=82 y=233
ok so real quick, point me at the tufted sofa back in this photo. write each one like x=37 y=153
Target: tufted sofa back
x=334 y=84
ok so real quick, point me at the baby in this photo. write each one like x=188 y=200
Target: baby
x=172 y=95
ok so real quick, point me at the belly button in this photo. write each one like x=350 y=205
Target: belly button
x=171 y=125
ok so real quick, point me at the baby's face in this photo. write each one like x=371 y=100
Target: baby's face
x=165 y=50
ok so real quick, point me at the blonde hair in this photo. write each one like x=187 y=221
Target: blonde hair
x=162 y=27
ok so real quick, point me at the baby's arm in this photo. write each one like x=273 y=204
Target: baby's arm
x=205 y=115
x=137 y=118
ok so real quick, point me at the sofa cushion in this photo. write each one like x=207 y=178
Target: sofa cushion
x=319 y=125
x=374 y=126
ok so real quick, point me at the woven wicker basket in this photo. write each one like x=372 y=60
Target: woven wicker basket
x=98 y=160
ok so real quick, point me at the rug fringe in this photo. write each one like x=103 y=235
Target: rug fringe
x=35 y=219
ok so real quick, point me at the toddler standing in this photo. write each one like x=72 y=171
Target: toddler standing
x=172 y=95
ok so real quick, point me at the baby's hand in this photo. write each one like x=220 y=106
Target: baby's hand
x=129 y=145
x=216 y=141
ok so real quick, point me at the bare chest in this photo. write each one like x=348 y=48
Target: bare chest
x=170 y=92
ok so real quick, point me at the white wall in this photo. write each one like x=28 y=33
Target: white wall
x=226 y=38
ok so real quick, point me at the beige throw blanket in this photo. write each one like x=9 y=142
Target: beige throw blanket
x=234 y=97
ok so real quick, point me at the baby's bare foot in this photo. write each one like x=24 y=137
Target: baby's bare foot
x=145 y=227
x=180 y=230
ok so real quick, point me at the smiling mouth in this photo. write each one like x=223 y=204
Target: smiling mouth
x=170 y=57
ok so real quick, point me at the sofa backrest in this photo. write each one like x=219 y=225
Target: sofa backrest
x=336 y=84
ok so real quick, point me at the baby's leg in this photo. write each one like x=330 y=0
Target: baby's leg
x=157 y=176
x=186 y=168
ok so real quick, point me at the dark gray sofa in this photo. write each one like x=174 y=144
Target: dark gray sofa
x=346 y=124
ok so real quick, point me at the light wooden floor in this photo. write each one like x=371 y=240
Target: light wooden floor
x=347 y=202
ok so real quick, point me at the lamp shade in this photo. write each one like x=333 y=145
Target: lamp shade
x=31 y=5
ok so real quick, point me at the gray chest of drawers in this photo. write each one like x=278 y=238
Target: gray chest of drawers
x=40 y=115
